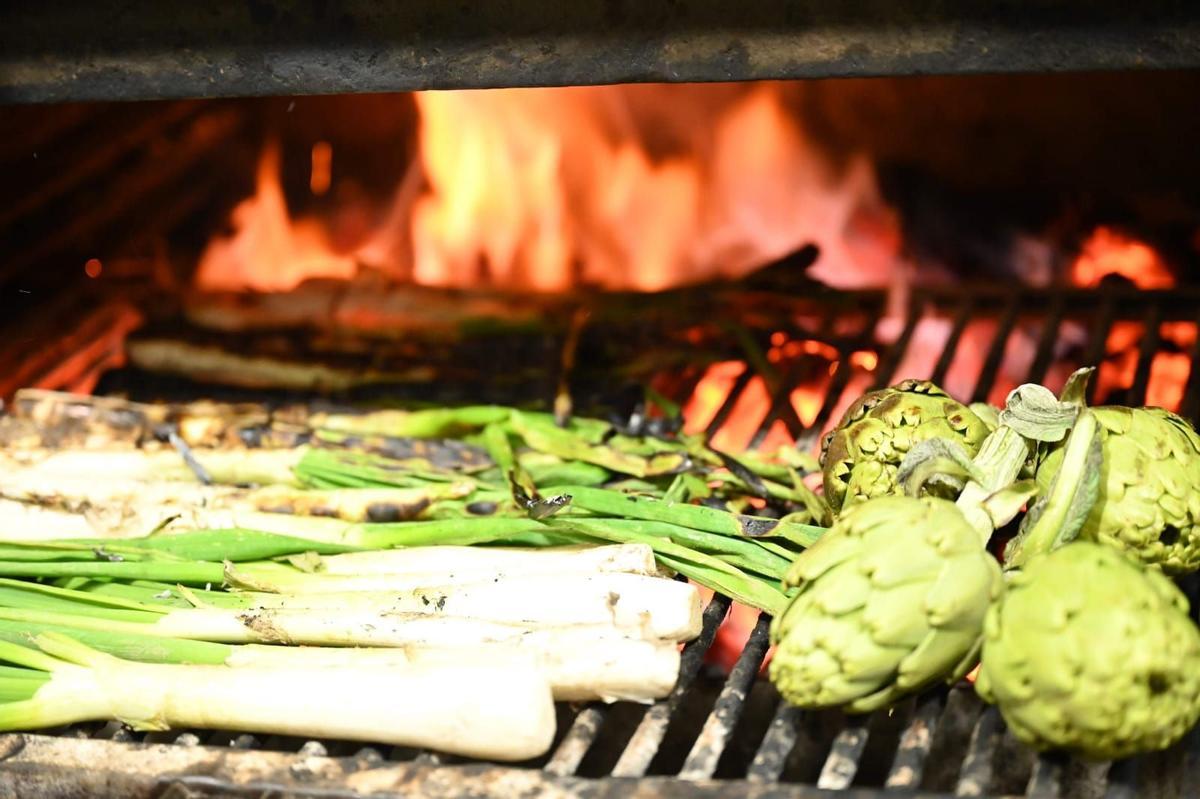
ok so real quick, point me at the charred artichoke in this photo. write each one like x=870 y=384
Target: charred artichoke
x=891 y=599
x=1090 y=652
x=1149 y=496
x=860 y=457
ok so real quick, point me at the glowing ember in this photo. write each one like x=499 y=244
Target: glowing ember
x=321 y=175
x=552 y=188
x=1168 y=371
x=1107 y=252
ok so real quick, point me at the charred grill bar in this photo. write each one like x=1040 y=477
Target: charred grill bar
x=55 y=51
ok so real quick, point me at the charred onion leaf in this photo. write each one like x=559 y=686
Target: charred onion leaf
x=743 y=474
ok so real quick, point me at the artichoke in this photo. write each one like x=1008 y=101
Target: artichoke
x=860 y=457
x=1149 y=499
x=892 y=598
x=1090 y=652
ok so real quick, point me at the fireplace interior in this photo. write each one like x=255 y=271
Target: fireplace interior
x=758 y=252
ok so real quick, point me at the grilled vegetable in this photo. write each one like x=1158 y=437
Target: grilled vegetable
x=582 y=663
x=1149 y=502
x=1090 y=652
x=891 y=599
x=499 y=711
x=860 y=457
x=309 y=613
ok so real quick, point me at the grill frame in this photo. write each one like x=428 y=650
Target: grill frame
x=53 y=52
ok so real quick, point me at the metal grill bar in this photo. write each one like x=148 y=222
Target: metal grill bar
x=995 y=355
x=1190 y=407
x=578 y=740
x=1047 y=778
x=1047 y=338
x=772 y=754
x=890 y=361
x=1122 y=780
x=1098 y=338
x=909 y=764
x=950 y=348
x=781 y=404
x=842 y=372
x=731 y=400
x=701 y=762
x=976 y=774
x=649 y=734
x=842 y=763
x=1151 y=338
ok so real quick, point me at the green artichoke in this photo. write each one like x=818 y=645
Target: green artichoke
x=892 y=598
x=860 y=457
x=1149 y=500
x=1090 y=652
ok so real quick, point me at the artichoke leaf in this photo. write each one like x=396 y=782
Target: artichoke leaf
x=829 y=551
x=987 y=413
x=1035 y=413
x=1075 y=390
x=1003 y=506
x=937 y=655
x=936 y=459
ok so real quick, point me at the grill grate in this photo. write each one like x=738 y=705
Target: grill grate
x=730 y=737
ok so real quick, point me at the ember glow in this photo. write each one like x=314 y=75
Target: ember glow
x=617 y=187
x=1109 y=253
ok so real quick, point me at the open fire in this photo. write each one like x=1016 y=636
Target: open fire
x=622 y=187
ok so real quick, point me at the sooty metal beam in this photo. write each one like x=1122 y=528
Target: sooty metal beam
x=60 y=50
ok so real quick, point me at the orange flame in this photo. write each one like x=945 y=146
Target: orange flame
x=270 y=251
x=1106 y=253
x=546 y=189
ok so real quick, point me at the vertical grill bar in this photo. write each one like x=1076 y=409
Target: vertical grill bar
x=771 y=757
x=781 y=403
x=837 y=384
x=1122 y=781
x=1098 y=339
x=576 y=742
x=890 y=362
x=842 y=763
x=649 y=734
x=702 y=761
x=1047 y=777
x=1190 y=407
x=1048 y=337
x=909 y=765
x=735 y=393
x=951 y=347
x=995 y=356
x=976 y=774
x=1151 y=338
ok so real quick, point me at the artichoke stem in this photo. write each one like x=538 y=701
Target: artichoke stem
x=999 y=461
x=1058 y=518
